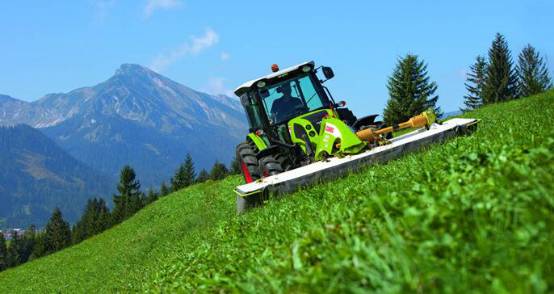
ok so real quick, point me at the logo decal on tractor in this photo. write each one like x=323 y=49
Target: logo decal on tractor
x=332 y=130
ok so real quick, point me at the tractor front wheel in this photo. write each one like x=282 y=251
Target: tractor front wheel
x=271 y=165
x=249 y=166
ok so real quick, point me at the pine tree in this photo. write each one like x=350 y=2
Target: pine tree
x=184 y=176
x=164 y=189
x=532 y=72
x=235 y=166
x=219 y=171
x=410 y=91
x=151 y=196
x=79 y=231
x=57 y=233
x=25 y=248
x=12 y=256
x=501 y=79
x=474 y=84
x=203 y=176
x=103 y=216
x=95 y=219
x=128 y=201
x=3 y=252
x=39 y=249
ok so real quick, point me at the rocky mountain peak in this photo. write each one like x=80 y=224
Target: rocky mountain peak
x=133 y=69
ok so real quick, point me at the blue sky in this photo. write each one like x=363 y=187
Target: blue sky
x=57 y=46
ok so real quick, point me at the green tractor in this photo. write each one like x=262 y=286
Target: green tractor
x=295 y=121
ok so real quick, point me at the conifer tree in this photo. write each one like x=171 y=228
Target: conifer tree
x=532 y=72
x=474 y=84
x=219 y=171
x=184 y=176
x=203 y=176
x=12 y=256
x=103 y=216
x=128 y=200
x=235 y=166
x=95 y=219
x=57 y=233
x=3 y=252
x=501 y=79
x=27 y=243
x=410 y=91
x=79 y=231
x=151 y=196
x=164 y=189
x=39 y=249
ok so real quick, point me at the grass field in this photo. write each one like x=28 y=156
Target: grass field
x=475 y=213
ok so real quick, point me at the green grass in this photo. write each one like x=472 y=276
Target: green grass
x=473 y=214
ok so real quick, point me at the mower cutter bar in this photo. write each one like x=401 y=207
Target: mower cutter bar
x=335 y=167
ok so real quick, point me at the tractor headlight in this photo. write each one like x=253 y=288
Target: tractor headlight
x=260 y=84
x=306 y=68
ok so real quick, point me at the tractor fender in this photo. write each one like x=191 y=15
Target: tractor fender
x=333 y=131
x=260 y=143
x=268 y=151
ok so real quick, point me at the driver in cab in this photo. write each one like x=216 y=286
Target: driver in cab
x=286 y=105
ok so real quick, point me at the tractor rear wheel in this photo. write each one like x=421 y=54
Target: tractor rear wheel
x=249 y=166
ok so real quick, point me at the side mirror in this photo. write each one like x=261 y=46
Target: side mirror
x=328 y=72
x=340 y=104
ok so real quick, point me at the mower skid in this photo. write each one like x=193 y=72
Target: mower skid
x=335 y=167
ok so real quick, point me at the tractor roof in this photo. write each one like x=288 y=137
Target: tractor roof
x=247 y=85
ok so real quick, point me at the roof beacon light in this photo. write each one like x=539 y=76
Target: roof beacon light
x=274 y=68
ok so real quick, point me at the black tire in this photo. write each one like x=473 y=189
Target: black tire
x=270 y=165
x=246 y=154
x=284 y=161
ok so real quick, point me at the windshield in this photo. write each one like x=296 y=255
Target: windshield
x=290 y=98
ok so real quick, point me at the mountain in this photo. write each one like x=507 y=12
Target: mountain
x=36 y=176
x=136 y=117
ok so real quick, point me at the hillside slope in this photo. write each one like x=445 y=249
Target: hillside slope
x=37 y=176
x=473 y=213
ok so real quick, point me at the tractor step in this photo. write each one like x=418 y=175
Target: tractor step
x=335 y=167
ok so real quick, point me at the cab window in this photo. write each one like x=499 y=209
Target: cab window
x=290 y=98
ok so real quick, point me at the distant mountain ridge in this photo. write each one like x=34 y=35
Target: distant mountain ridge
x=36 y=176
x=136 y=117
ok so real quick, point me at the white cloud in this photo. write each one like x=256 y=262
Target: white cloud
x=216 y=86
x=192 y=47
x=224 y=56
x=153 y=5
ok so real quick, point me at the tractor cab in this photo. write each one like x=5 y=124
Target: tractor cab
x=275 y=99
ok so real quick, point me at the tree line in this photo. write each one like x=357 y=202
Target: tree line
x=489 y=80
x=496 y=79
x=97 y=217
